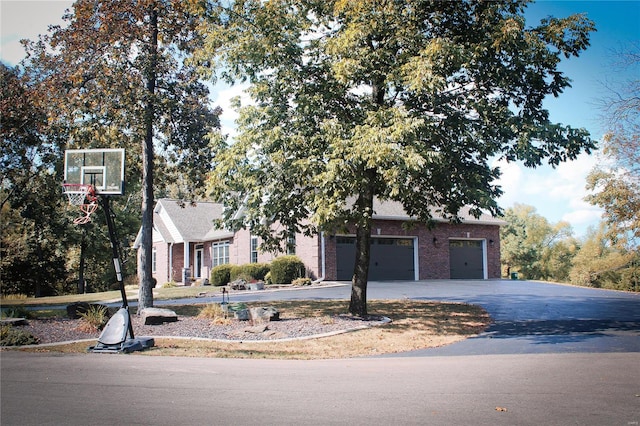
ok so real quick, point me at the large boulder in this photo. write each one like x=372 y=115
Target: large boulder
x=264 y=314
x=156 y=316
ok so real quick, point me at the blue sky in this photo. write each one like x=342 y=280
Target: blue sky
x=557 y=194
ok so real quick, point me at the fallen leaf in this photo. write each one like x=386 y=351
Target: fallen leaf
x=501 y=409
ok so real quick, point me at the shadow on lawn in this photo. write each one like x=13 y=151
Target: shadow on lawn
x=427 y=316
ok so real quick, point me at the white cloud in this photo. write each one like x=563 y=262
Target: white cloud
x=26 y=20
x=221 y=95
x=557 y=194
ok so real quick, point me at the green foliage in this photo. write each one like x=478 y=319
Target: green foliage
x=285 y=269
x=170 y=284
x=615 y=182
x=10 y=336
x=221 y=275
x=533 y=247
x=405 y=101
x=116 y=74
x=94 y=319
x=16 y=312
x=603 y=265
x=250 y=271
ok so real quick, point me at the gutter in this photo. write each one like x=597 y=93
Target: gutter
x=323 y=266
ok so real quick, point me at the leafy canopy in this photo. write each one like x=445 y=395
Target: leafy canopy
x=404 y=101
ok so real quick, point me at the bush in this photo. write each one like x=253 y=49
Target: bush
x=16 y=312
x=301 y=281
x=221 y=275
x=94 y=319
x=10 y=336
x=285 y=269
x=250 y=271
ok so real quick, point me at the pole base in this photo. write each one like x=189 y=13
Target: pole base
x=128 y=346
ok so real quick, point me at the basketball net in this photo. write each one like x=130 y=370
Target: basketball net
x=83 y=196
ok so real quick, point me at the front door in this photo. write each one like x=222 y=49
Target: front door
x=198 y=264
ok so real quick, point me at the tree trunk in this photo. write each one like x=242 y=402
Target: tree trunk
x=145 y=293
x=358 y=303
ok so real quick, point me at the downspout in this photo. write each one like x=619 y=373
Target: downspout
x=170 y=272
x=323 y=266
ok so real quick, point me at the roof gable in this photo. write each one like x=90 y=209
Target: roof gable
x=187 y=222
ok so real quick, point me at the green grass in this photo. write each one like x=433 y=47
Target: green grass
x=132 y=294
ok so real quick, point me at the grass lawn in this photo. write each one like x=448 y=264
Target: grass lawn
x=132 y=294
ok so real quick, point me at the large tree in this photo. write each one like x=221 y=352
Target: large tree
x=116 y=76
x=535 y=248
x=399 y=100
x=616 y=181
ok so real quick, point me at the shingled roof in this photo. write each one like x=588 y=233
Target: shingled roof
x=189 y=222
x=393 y=210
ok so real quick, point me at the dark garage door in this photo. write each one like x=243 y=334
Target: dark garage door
x=465 y=259
x=391 y=259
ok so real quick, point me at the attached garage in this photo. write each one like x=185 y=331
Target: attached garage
x=466 y=259
x=391 y=258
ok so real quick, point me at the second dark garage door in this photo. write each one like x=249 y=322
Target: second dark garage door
x=391 y=259
x=466 y=259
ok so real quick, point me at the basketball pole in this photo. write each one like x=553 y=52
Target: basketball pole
x=104 y=200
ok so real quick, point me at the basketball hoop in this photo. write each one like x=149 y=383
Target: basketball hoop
x=77 y=194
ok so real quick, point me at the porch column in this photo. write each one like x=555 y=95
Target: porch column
x=186 y=270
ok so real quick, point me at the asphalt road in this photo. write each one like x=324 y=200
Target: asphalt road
x=545 y=389
x=556 y=355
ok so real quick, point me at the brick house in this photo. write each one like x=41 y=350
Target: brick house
x=186 y=246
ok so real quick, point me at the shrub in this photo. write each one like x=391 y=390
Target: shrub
x=16 y=312
x=94 y=319
x=250 y=271
x=301 y=281
x=221 y=275
x=267 y=278
x=170 y=284
x=215 y=312
x=10 y=336
x=285 y=269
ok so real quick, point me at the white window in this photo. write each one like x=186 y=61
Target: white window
x=254 y=250
x=154 y=259
x=220 y=253
x=291 y=244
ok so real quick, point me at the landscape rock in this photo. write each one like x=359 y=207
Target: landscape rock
x=255 y=286
x=156 y=316
x=264 y=314
x=241 y=314
x=256 y=329
x=238 y=284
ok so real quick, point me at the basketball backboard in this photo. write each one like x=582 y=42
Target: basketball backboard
x=102 y=168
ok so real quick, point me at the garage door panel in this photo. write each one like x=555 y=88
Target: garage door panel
x=466 y=259
x=391 y=259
